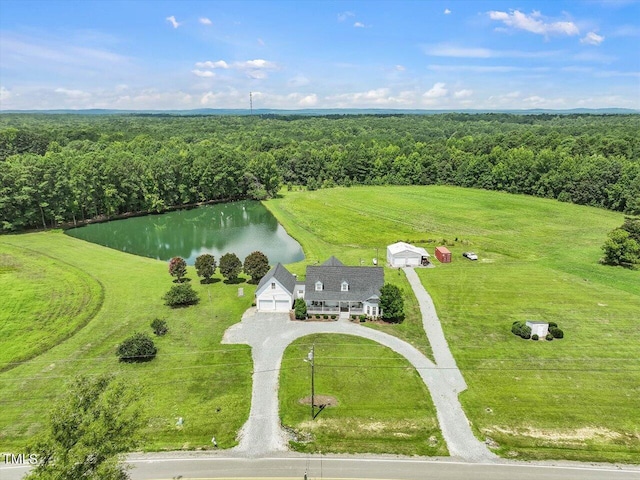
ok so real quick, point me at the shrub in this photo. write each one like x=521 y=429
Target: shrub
x=159 y=327
x=522 y=330
x=391 y=303
x=549 y=337
x=534 y=336
x=552 y=324
x=230 y=266
x=363 y=318
x=353 y=317
x=300 y=309
x=177 y=268
x=325 y=316
x=181 y=295
x=206 y=266
x=333 y=317
x=256 y=265
x=137 y=348
x=556 y=332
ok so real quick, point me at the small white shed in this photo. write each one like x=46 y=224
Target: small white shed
x=538 y=328
x=402 y=254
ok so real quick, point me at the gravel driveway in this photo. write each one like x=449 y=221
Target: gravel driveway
x=269 y=334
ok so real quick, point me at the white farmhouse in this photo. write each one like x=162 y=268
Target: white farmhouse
x=275 y=290
x=402 y=254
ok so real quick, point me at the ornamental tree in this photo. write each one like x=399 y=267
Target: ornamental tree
x=391 y=303
x=206 y=267
x=256 y=265
x=230 y=266
x=177 y=268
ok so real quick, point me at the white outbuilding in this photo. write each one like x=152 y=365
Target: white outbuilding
x=402 y=254
x=538 y=328
x=276 y=290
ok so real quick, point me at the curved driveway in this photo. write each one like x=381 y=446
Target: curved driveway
x=270 y=333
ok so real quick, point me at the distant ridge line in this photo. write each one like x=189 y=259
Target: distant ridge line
x=324 y=111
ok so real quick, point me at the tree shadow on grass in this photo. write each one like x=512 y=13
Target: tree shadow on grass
x=182 y=280
x=235 y=281
x=209 y=281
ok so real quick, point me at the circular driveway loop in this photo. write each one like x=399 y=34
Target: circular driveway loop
x=269 y=334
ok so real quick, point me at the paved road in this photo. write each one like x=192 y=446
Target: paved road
x=293 y=466
x=270 y=333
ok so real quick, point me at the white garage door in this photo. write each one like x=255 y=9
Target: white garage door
x=265 y=305
x=282 y=306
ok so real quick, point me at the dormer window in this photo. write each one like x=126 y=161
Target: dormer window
x=318 y=286
x=345 y=287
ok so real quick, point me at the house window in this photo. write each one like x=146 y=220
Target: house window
x=345 y=287
x=374 y=311
x=273 y=285
x=368 y=310
x=318 y=286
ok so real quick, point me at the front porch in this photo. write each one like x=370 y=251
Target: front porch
x=323 y=307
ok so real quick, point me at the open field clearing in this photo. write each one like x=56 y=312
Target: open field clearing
x=193 y=375
x=573 y=398
x=378 y=403
x=43 y=302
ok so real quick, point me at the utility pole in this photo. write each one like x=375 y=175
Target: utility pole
x=311 y=361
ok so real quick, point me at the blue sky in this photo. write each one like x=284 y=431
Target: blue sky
x=303 y=54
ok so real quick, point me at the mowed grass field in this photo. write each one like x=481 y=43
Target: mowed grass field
x=193 y=375
x=43 y=301
x=381 y=403
x=575 y=398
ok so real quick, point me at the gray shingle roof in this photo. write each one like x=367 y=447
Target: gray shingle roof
x=282 y=275
x=364 y=282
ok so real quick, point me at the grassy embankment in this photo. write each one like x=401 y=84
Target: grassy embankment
x=575 y=398
x=47 y=297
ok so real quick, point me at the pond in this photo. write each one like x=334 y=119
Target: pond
x=237 y=227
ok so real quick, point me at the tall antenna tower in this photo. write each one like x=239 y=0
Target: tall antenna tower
x=251 y=103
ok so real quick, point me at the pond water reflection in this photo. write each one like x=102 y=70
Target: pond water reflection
x=238 y=227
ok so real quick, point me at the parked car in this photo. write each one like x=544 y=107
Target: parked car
x=470 y=255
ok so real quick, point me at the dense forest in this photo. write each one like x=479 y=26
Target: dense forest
x=56 y=169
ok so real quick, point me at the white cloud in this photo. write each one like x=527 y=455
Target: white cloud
x=447 y=11
x=464 y=93
x=205 y=21
x=358 y=25
x=203 y=73
x=258 y=63
x=400 y=68
x=437 y=91
x=592 y=38
x=172 y=20
x=308 y=100
x=455 y=51
x=210 y=64
x=627 y=31
x=4 y=94
x=379 y=98
x=72 y=93
x=298 y=81
x=344 y=15
x=534 y=23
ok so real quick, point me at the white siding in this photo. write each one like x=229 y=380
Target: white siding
x=276 y=299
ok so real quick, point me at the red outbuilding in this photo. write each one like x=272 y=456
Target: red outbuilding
x=443 y=254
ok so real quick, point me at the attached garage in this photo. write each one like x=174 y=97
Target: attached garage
x=275 y=290
x=402 y=254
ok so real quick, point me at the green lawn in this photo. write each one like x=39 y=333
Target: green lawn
x=43 y=302
x=193 y=376
x=575 y=398
x=382 y=403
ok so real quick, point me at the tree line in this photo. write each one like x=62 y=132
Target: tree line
x=57 y=169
